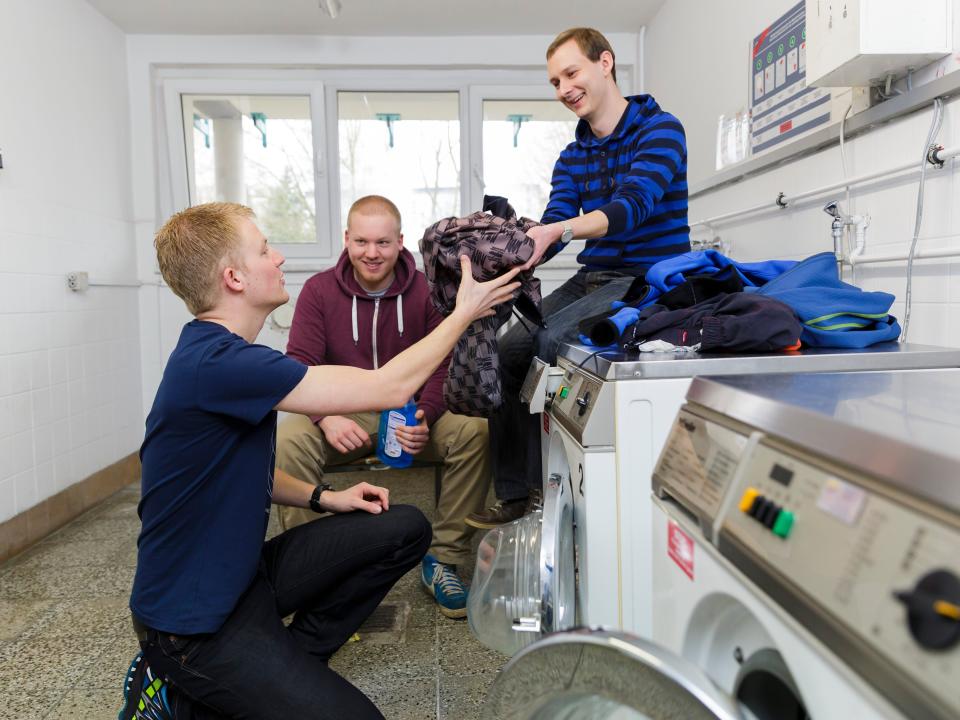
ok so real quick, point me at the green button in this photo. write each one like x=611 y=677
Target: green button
x=784 y=523
x=564 y=391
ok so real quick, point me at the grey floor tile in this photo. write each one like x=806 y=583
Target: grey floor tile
x=460 y=653
x=115 y=530
x=83 y=704
x=415 y=699
x=47 y=662
x=106 y=672
x=369 y=664
x=105 y=617
x=33 y=582
x=17 y=704
x=461 y=696
x=19 y=616
x=66 y=553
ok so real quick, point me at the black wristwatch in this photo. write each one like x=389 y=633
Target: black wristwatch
x=315 y=497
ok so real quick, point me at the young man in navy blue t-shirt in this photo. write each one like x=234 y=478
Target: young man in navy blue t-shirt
x=209 y=594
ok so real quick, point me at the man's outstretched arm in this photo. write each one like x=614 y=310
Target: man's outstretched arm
x=340 y=390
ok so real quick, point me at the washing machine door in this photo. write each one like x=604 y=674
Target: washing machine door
x=524 y=583
x=599 y=675
x=558 y=576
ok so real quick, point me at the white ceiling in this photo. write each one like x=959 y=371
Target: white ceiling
x=375 y=17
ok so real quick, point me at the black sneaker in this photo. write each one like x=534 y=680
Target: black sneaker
x=504 y=512
x=144 y=694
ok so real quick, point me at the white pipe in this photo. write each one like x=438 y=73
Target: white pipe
x=784 y=200
x=893 y=257
x=860 y=224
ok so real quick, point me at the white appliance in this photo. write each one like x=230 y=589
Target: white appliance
x=607 y=422
x=806 y=536
x=860 y=42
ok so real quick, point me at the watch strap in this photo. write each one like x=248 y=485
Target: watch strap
x=315 y=497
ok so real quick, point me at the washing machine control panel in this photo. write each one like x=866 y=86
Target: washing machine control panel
x=698 y=465
x=583 y=404
x=875 y=575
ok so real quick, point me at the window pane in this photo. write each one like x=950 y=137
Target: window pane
x=256 y=150
x=518 y=163
x=404 y=146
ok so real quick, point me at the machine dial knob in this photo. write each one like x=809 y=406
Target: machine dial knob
x=933 y=610
x=583 y=401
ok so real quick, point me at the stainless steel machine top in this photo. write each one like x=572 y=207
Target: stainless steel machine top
x=903 y=428
x=616 y=365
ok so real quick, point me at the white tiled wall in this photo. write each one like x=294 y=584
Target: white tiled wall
x=70 y=401
x=709 y=79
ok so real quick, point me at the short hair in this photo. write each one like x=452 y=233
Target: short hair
x=591 y=43
x=374 y=205
x=192 y=247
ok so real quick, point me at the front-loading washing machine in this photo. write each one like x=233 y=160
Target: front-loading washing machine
x=806 y=534
x=607 y=417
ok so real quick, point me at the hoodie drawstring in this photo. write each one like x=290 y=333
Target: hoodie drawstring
x=400 y=313
x=356 y=332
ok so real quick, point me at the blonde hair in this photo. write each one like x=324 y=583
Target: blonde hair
x=374 y=205
x=192 y=247
x=591 y=42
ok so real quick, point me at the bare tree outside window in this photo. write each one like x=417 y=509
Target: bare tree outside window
x=269 y=168
x=419 y=170
x=518 y=164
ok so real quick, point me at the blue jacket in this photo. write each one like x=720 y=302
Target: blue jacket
x=637 y=177
x=669 y=274
x=833 y=313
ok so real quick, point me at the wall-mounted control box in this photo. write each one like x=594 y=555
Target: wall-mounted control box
x=857 y=43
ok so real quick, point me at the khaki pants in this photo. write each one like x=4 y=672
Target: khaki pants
x=460 y=442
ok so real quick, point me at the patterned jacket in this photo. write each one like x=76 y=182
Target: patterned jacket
x=494 y=245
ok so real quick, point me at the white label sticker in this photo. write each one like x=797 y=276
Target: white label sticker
x=842 y=500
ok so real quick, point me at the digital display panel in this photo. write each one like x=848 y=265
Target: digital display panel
x=781 y=474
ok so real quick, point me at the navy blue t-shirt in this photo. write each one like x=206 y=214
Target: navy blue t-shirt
x=207 y=458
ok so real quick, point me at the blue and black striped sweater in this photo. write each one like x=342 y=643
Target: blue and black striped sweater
x=637 y=177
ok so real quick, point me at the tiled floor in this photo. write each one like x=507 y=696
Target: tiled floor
x=65 y=637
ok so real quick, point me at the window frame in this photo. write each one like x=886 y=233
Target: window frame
x=473 y=85
x=179 y=156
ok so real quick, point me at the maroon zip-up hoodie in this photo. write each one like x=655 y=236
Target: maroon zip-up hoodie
x=333 y=324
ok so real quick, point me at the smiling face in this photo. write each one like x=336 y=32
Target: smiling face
x=581 y=84
x=373 y=242
x=259 y=267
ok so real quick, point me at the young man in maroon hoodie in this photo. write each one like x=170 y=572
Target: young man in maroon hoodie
x=371 y=306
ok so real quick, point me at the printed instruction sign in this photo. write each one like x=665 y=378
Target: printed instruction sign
x=781 y=104
x=680 y=548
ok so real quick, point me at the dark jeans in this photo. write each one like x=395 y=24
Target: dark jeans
x=514 y=432
x=331 y=573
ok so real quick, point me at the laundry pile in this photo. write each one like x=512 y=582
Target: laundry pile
x=705 y=301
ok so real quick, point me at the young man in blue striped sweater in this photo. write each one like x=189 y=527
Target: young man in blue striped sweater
x=626 y=171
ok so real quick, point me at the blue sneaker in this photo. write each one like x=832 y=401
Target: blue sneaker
x=144 y=694
x=442 y=581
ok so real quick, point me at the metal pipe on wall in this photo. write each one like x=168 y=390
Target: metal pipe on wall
x=895 y=257
x=937 y=156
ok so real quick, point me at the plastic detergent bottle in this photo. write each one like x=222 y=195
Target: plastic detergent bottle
x=388 y=448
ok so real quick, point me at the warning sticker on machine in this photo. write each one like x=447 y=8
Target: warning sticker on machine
x=680 y=548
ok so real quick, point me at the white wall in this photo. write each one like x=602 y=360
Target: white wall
x=69 y=362
x=162 y=314
x=707 y=77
